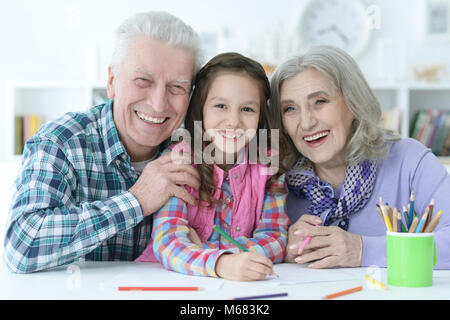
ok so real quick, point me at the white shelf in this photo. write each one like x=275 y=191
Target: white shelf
x=412 y=97
x=49 y=100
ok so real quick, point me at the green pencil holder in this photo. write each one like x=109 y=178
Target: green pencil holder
x=410 y=259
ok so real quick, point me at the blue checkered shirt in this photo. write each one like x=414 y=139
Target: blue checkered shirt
x=71 y=197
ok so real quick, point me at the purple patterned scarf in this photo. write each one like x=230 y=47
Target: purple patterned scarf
x=357 y=188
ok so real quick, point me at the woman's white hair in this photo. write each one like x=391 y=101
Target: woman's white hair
x=369 y=138
x=155 y=25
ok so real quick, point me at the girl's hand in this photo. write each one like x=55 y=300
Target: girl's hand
x=244 y=266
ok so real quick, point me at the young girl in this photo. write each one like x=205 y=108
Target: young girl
x=230 y=98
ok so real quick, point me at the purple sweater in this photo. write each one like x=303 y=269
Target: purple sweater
x=408 y=166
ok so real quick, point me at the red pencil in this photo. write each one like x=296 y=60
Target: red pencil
x=160 y=289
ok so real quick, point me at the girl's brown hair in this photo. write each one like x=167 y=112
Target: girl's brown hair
x=235 y=63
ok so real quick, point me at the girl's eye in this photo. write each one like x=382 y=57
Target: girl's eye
x=220 y=106
x=247 y=109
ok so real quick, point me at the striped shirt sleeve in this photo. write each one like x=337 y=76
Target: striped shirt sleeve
x=46 y=226
x=172 y=246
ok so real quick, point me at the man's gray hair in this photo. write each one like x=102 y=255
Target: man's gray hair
x=369 y=137
x=155 y=25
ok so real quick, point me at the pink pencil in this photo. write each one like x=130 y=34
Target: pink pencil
x=307 y=240
x=305 y=243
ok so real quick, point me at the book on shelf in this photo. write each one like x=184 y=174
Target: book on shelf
x=25 y=126
x=432 y=129
x=391 y=119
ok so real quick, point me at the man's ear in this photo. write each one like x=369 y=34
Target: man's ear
x=110 y=84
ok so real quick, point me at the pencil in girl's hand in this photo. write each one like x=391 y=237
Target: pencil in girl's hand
x=434 y=222
x=229 y=238
x=413 y=226
x=422 y=221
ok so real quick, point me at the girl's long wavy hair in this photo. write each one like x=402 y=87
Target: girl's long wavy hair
x=238 y=64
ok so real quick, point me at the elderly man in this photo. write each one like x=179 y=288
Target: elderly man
x=90 y=181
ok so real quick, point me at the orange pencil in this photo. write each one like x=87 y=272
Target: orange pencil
x=342 y=293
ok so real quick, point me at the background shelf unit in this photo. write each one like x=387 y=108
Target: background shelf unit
x=51 y=100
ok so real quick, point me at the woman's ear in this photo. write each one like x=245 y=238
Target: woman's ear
x=110 y=83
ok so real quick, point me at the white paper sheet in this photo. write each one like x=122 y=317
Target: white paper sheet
x=156 y=276
x=292 y=273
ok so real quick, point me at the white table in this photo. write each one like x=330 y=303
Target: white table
x=92 y=280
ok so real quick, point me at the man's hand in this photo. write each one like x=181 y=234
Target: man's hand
x=243 y=266
x=163 y=178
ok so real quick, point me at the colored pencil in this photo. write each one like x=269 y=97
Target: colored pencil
x=413 y=226
x=387 y=221
x=229 y=238
x=399 y=222
x=305 y=243
x=411 y=208
x=160 y=289
x=375 y=282
x=379 y=211
x=430 y=214
x=395 y=220
x=307 y=240
x=265 y=296
x=434 y=222
x=422 y=221
x=342 y=293
x=405 y=215
x=390 y=213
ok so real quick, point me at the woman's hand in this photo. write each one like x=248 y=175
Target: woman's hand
x=329 y=247
x=295 y=241
x=243 y=266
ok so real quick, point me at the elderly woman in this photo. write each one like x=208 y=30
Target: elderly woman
x=342 y=162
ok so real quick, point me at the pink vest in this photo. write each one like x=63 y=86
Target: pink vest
x=247 y=184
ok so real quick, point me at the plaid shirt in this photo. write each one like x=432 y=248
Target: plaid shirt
x=71 y=199
x=174 y=249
